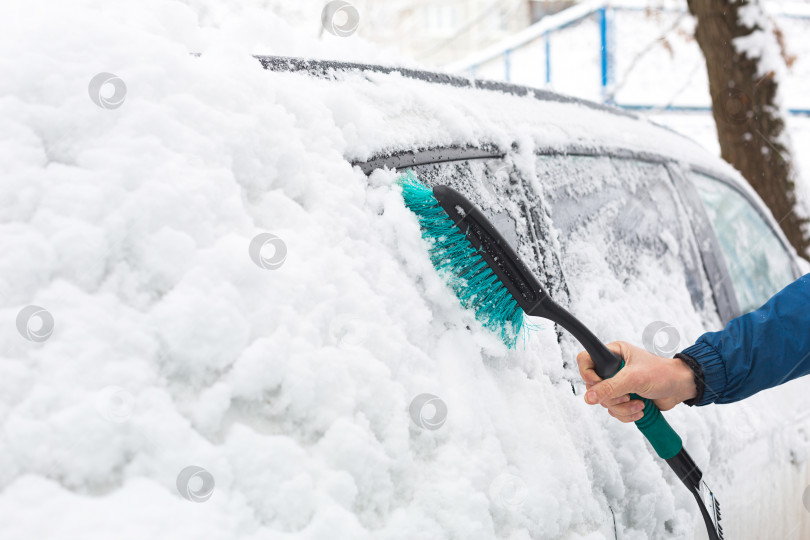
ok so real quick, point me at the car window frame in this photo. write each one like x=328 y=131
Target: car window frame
x=712 y=259
x=428 y=156
x=714 y=269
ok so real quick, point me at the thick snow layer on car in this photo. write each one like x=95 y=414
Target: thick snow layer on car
x=192 y=388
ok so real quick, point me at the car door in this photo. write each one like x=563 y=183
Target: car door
x=764 y=432
x=608 y=237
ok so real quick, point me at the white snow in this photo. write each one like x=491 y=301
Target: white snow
x=290 y=386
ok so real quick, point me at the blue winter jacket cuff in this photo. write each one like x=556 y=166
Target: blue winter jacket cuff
x=710 y=372
x=755 y=351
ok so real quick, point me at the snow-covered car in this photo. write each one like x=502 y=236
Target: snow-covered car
x=220 y=320
x=636 y=229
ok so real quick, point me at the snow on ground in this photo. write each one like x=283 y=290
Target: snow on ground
x=290 y=388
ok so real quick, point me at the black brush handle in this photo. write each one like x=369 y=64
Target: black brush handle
x=606 y=362
x=664 y=440
x=493 y=247
x=533 y=299
x=690 y=474
x=517 y=278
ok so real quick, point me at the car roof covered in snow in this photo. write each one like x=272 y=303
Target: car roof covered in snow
x=394 y=109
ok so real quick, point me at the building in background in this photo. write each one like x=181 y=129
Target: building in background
x=436 y=32
x=541 y=8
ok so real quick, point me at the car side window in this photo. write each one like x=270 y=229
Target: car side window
x=621 y=219
x=758 y=264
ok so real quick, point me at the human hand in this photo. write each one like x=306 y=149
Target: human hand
x=667 y=381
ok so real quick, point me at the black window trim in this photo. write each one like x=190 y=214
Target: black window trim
x=327 y=69
x=714 y=262
x=428 y=156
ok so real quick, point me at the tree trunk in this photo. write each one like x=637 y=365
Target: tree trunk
x=750 y=125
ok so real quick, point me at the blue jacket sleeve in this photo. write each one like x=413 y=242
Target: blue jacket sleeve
x=759 y=350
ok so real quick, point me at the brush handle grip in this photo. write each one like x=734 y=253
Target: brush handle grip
x=606 y=363
x=655 y=427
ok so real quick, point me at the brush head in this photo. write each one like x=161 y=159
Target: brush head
x=462 y=264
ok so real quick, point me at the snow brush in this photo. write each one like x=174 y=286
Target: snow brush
x=488 y=276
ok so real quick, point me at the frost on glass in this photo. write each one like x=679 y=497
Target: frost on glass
x=620 y=220
x=500 y=191
x=757 y=262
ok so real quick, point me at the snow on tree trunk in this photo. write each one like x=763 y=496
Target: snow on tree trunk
x=745 y=67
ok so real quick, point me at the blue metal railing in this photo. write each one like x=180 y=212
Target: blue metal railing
x=692 y=109
x=603 y=52
x=605 y=19
x=507 y=65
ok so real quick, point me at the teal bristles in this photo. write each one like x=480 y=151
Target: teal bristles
x=466 y=272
